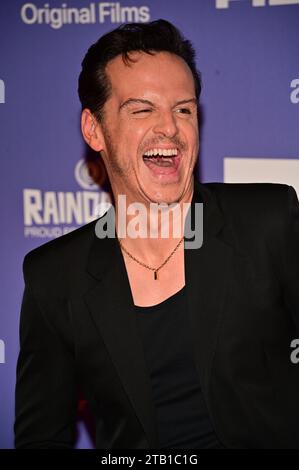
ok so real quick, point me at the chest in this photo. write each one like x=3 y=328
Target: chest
x=146 y=290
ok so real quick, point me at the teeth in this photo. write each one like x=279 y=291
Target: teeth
x=161 y=152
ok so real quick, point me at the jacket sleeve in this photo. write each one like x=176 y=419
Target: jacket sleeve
x=45 y=405
x=291 y=258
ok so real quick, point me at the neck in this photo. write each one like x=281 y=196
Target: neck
x=150 y=233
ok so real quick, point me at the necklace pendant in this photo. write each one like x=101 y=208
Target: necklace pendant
x=155 y=275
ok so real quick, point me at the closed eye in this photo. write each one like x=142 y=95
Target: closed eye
x=141 y=111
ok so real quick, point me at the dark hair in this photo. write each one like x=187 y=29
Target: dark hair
x=94 y=87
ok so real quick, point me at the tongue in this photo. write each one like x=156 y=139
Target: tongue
x=160 y=161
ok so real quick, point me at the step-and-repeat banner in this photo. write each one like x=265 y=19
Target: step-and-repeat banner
x=247 y=52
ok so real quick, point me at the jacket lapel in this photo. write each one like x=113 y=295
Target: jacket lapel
x=111 y=305
x=207 y=271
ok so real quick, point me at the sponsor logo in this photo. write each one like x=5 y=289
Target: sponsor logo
x=83 y=177
x=294 y=96
x=56 y=17
x=2 y=352
x=2 y=92
x=257 y=3
x=49 y=214
x=262 y=170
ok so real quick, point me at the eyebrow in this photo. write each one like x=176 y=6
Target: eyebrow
x=140 y=100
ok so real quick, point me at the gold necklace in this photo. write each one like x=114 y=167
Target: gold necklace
x=145 y=265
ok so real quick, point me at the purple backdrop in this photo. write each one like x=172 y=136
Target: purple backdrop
x=248 y=56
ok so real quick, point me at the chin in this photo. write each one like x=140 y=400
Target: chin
x=167 y=197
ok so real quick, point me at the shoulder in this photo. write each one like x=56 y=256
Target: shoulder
x=53 y=256
x=250 y=193
x=256 y=209
x=252 y=199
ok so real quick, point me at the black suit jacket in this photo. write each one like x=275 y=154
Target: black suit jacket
x=78 y=327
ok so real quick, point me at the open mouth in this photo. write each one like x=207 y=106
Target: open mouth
x=165 y=159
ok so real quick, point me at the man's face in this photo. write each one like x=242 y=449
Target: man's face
x=152 y=108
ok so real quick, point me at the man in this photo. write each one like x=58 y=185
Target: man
x=173 y=347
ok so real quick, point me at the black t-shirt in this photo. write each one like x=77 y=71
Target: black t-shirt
x=182 y=417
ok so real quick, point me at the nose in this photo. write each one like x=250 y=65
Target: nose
x=166 y=124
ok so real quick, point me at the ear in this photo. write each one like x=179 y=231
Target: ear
x=92 y=131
